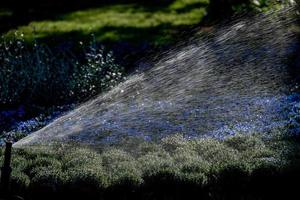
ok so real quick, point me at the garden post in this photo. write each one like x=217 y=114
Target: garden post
x=6 y=169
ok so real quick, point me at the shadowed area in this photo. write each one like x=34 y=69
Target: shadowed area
x=237 y=80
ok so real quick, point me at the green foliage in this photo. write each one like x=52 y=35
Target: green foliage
x=250 y=146
x=19 y=181
x=176 y=161
x=37 y=74
x=157 y=163
x=121 y=168
x=49 y=177
x=87 y=176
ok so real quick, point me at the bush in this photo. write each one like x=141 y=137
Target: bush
x=48 y=177
x=121 y=168
x=236 y=168
x=37 y=74
x=19 y=182
x=88 y=181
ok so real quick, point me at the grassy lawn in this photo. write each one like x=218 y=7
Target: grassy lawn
x=136 y=23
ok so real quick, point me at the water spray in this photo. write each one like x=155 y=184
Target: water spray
x=234 y=80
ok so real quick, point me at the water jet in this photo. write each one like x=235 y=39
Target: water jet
x=235 y=80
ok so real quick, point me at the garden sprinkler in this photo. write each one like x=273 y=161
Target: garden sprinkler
x=5 y=190
x=6 y=168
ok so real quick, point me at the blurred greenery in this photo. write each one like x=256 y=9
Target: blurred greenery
x=156 y=24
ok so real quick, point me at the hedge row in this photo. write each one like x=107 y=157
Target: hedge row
x=240 y=167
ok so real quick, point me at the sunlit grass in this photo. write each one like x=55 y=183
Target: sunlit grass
x=156 y=24
x=113 y=23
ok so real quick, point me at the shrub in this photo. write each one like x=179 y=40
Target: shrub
x=171 y=143
x=80 y=157
x=19 y=182
x=192 y=167
x=251 y=147
x=86 y=181
x=158 y=164
x=232 y=168
x=121 y=168
x=37 y=74
x=41 y=163
x=244 y=142
x=215 y=152
x=20 y=163
x=46 y=182
x=82 y=165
